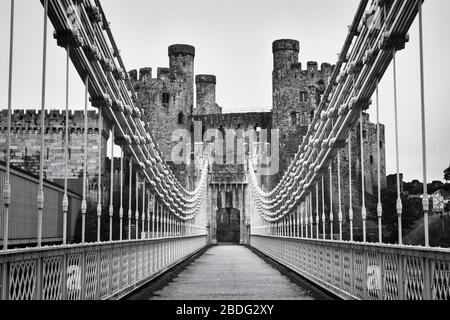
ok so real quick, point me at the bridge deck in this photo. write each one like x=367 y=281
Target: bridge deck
x=231 y=272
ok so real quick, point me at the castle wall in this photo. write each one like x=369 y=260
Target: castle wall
x=25 y=142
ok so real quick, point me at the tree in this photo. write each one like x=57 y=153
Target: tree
x=411 y=213
x=447 y=174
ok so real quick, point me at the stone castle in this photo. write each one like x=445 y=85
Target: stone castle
x=167 y=101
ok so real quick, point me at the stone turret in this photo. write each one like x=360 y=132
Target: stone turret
x=206 y=95
x=285 y=53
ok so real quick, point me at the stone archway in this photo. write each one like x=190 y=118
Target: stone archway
x=228 y=207
x=228 y=225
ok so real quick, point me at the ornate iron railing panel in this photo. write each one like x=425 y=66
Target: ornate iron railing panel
x=95 y=271
x=364 y=271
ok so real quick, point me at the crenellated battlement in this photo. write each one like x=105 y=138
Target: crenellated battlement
x=29 y=120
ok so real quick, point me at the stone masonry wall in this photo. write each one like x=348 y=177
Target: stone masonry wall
x=25 y=142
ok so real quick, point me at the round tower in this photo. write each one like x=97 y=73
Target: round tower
x=206 y=93
x=285 y=53
x=181 y=65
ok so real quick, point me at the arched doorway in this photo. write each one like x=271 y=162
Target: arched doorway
x=228 y=225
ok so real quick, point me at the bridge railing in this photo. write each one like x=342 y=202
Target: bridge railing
x=106 y=270
x=366 y=271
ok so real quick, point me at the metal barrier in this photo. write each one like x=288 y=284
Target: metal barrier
x=364 y=271
x=107 y=270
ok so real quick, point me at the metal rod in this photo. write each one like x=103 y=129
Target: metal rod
x=148 y=214
x=111 y=187
x=340 y=216
x=40 y=197
x=317 y=210
x=136 y=216
x=154 y=216
x=7 y=186
x=424 y=138
x=130 y=198
x=399 y=200
x=65 y=202
x=301 y=219
x=143 y=209
x=83 y=202
x=363 y=196
x=379 y=205
x=311 y=219
x=99 y=204
x=323 y=210
x=331 y=203
x=121 y=195
x=350 y=211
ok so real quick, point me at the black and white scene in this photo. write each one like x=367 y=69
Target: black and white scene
x=224 y=151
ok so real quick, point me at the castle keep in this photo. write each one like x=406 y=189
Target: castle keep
x=168 y=104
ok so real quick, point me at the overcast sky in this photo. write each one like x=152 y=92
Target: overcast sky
x=233 y=41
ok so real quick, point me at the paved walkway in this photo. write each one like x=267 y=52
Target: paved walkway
x=231 y=272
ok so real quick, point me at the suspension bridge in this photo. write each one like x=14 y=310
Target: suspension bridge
x=290 y=224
